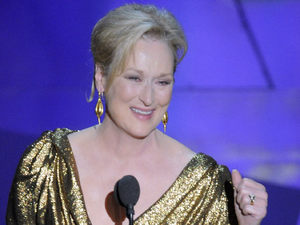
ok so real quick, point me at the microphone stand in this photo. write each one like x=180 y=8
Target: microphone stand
x=131 y=219
x=130 y=213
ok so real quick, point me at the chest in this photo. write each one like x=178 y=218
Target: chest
x=98 y=185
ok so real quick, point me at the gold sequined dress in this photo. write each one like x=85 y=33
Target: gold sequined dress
x=46 y=190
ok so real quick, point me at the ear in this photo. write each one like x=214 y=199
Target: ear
x=100 y=79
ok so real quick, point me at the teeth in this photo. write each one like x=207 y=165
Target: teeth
x=141 y=112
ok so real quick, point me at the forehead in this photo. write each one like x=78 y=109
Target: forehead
x=151 y=56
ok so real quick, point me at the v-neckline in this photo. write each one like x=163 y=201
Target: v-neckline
x=170 y=188
x=75 y=168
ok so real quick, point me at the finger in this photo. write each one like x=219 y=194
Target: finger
x=257 y=210
x=246 y=182
x=244 y=192
x=236 y=178
x=248 y=210
x=245 y=200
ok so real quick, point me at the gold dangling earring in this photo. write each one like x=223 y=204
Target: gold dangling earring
x=165 y=121
x=99 y=108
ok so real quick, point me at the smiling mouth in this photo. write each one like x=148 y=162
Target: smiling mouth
x=142 y=112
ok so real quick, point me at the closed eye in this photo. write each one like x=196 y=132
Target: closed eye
x=164 y=82
x=134 y=78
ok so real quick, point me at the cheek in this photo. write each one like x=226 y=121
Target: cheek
x=122 y=93
x=164 y=96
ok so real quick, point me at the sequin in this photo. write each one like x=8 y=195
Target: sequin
x=46 y=190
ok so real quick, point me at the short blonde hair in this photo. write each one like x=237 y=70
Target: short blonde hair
x=115 y=35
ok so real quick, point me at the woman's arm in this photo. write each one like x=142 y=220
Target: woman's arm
x=29 y=177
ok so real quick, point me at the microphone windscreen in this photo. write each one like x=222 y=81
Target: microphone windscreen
x=127 y=191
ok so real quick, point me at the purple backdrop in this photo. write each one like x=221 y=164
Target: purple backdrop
x=223 y=102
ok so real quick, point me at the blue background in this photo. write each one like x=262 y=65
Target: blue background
x=236 y=96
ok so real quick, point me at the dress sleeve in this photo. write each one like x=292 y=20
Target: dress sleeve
x=224 y=203
x=31 y=175
x=213 y=195
x=46 y=187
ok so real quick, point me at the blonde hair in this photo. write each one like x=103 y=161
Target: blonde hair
x=115 y=35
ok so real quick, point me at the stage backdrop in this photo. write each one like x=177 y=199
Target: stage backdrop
x=236 y=97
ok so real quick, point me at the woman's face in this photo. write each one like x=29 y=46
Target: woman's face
x=138 y=98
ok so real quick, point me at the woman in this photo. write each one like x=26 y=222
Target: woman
x=67 y=177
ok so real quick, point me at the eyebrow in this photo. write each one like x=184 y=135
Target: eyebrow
x=142 y=73
x=138 y=71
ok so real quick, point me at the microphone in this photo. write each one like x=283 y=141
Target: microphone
x=127 y=193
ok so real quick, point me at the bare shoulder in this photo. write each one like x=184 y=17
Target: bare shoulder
x=177 y=151
x=81 y=139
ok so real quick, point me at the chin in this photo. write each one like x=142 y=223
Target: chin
x=141 y=133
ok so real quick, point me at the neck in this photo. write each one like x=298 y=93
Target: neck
x=119 y=144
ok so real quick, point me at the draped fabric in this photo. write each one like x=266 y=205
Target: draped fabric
x=46 y=190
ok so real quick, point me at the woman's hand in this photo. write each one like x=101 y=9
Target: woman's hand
x=250 y=200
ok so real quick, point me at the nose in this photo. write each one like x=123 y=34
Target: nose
x=146 y=94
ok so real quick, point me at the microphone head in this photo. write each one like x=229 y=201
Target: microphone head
x=127 y=191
